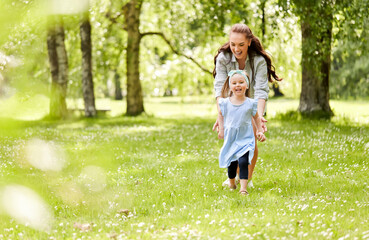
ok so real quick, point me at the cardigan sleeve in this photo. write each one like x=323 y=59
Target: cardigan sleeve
x=254 y=106
x=261 y=87
x=221 y=73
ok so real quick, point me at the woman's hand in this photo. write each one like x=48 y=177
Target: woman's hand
x=260 y=136
x=263 y=124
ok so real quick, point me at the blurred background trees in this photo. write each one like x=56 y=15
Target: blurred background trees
x=167 y=48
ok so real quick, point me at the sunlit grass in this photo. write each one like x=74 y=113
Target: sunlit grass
x=37 y=106
x=310 y=181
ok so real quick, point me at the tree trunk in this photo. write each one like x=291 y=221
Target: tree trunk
x=326 y=41
x=134 y=91
x=117 y=89
x=59 y=68
x=263 y=24
x=316 y=53
x=87 y=82
x=276 y=90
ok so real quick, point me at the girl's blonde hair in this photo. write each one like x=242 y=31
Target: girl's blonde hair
x=226 y=90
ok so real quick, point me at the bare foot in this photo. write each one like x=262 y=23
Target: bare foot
x=243 y=189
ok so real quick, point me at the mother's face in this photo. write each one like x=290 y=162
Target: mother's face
x=239 y=45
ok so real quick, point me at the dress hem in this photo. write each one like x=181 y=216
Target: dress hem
x=251 y=155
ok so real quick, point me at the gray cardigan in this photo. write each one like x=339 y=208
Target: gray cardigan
x=227 y=62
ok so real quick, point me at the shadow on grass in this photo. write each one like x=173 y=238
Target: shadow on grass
x=297 y=116
x=316 y=118
x=104 y=121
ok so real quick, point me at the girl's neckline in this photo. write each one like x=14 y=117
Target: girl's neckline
x=237 y=105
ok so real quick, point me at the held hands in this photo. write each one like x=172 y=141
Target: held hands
x=260 y=136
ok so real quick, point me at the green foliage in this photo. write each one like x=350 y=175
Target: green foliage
x=350 y=65
x=349 y=68
x=282 y=40
x=24 y=40
x=196 y=28
x=12 y=13
x=109 y=46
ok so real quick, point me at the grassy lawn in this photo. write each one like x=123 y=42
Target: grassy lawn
x=157 y=177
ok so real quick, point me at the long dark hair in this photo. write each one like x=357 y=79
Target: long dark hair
x=255 y=48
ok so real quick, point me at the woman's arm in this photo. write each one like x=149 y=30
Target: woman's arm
x=220 y=78
x=259 y=131
x=221 y=73
x=261 y=109
x=261 y=87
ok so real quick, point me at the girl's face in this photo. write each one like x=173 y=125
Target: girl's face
x=239 y=45
x=238 y=85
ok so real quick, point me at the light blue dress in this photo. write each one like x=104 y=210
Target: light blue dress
x=238 y=133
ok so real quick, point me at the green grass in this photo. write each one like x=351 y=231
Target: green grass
x=311 y=179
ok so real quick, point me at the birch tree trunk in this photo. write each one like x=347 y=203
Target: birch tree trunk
x=59 y=68
x=132 y=12
x=87 y=82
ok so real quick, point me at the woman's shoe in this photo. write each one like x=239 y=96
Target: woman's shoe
x=226 y=182
x=250 y=184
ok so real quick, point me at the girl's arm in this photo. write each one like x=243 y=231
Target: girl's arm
x=259 y=131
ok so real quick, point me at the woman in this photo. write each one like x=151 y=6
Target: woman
x=244 y=51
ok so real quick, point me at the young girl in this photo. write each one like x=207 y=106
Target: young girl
x=239 y=141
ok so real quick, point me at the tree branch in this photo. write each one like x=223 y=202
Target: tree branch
x=113 y=19
x=176 y=51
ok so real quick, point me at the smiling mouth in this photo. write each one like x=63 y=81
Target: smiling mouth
x=238 y=90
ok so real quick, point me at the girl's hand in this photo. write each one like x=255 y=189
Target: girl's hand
x=260 y=136
x=219 y=129
x=216 y=125
x=263 y=125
